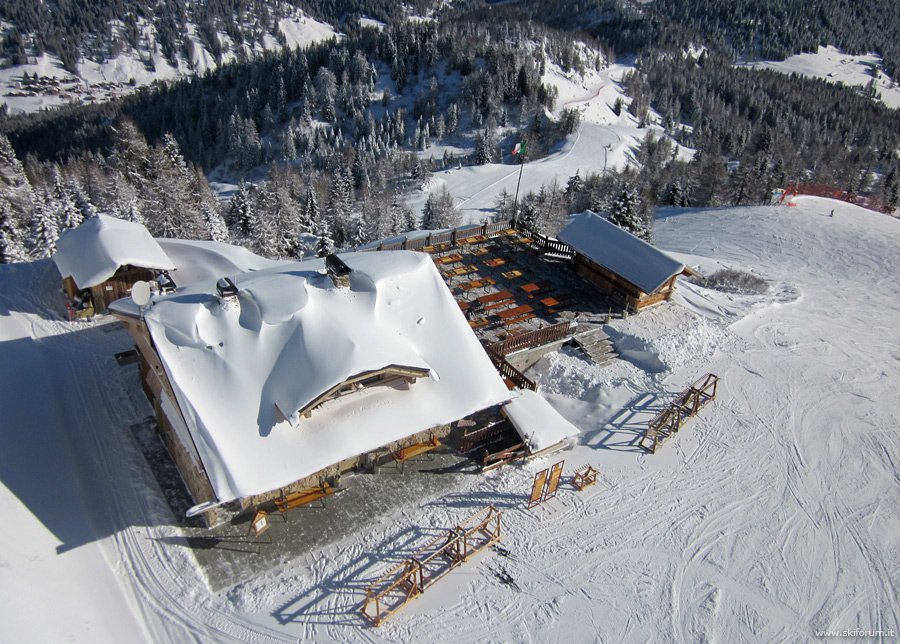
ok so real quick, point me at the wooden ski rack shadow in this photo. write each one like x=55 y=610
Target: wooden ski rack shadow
x=406 y=581
x=685 y=406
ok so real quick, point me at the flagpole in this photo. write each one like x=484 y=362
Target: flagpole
x=519 y=183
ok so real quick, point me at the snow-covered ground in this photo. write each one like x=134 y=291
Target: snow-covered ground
x=835 y=66
x=102 y=81
x=771 y=515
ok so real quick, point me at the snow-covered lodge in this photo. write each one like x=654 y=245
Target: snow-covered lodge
x=274 y=380
x=105 y=256
x=620 y=264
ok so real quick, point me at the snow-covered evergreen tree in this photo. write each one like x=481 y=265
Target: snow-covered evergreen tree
x=15 y=190
x=311 y=214
x=439 y=211
x=44 y=229
x=215 y=224
x=241 y=211
x=325 y=244
x=12 y=248
x=626 y=215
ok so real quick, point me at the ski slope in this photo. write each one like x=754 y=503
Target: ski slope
x=770 y=516
x=603 y=141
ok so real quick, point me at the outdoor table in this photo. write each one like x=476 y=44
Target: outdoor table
x=495 y=297
x=462 y=270
x=448 y=259
x=515 y=312
x=468 y=286
x=512 y=274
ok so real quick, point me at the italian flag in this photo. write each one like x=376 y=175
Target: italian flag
x=520 y=148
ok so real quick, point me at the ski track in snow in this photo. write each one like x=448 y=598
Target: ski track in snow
x=771 y=514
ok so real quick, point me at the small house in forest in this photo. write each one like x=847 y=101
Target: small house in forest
x=274 y=381
x=102 y=258
x=620 y=264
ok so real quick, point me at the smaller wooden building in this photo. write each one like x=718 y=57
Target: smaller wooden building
x=620 y=264
x=101 y=259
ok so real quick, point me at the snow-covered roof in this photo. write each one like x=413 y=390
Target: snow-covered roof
x=619 y=251
x=536 y=421
x=291 y=336
x=92 y=252
x=199 y=261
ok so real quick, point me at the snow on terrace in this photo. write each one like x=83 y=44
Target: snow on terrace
x=93 y=251
x=622 y=253
x=291 y=336
x=537 y=422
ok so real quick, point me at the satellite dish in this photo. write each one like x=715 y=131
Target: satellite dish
x=140 y=293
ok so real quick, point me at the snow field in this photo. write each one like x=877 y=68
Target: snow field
x=835 y=66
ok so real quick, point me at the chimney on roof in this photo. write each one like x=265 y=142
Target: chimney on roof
x=226 y=291
x=338 y=271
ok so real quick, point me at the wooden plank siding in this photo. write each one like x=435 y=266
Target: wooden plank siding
x=115 y=288
x=620 y=288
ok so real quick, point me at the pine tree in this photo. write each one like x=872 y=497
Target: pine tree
x=215 y=225
x=44 y=229
x=325 y=244
x=11 y=247
x=625 y=214
x=311 y=213
x=241 y=211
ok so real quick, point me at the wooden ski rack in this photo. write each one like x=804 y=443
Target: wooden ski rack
x=685 y=406
x=584 y=476
x=409 y=579
x=545 y=486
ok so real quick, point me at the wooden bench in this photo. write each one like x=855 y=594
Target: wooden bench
x=415 y=450
x=521 y=318
x=495 y=297
x=513 y=312
x=308 y=495
x=499 y=304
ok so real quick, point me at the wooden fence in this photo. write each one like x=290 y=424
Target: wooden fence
x=406 y=581
x=451 y=237
x=834 y=193
x=483 y=436
x=532 y=339
x=509 y=372
x=546 y=244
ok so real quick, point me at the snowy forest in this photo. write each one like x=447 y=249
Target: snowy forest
x=324 y=142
